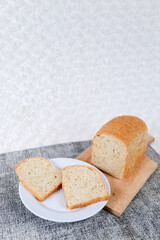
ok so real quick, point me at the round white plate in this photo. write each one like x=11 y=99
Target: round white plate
x=54 y=208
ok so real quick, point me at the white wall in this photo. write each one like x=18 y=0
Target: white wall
x=67 y=67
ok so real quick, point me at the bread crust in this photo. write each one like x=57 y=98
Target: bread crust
x=28 y=187
x=86 y=203
x=40 y=199
x=125 y=128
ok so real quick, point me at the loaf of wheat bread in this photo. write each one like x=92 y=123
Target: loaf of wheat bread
x=82 y=186
x=119 y=144
x=39 y=177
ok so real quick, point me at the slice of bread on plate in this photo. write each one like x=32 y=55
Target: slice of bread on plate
x=119 y=144
x=82 y=186
x=39 y=177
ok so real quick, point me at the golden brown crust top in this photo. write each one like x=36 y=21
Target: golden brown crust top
x=125 y=128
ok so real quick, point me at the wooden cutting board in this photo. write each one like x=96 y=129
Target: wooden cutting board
x=123 y=191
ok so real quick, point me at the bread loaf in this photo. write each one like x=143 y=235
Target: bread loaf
x=119 y=144
x=82 y=186
x=39 y=177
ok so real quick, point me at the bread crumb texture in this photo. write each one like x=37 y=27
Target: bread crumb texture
x=82 y=186
x=39 y=176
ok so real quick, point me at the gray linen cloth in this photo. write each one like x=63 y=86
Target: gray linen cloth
x=139 y=221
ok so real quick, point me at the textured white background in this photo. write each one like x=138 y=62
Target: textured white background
x=67 y=67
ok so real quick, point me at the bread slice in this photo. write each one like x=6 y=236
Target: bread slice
x=82 y=186
x=39 y=177
x=119 y=144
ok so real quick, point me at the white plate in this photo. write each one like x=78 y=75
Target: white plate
x=54 y=208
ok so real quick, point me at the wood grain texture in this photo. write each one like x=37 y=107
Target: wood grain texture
x=123 y=191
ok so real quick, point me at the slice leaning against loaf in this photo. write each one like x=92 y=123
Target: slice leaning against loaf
x=39 y=177
x=82 y=186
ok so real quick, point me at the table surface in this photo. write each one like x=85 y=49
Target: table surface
x=68 y=67
x=139 y=221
